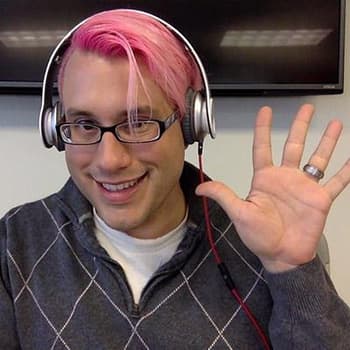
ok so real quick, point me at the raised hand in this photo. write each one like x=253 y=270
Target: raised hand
x=284 y=214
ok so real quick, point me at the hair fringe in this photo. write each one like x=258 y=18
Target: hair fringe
x=141 y=39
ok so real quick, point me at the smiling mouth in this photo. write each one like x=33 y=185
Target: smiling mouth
x=122 y=186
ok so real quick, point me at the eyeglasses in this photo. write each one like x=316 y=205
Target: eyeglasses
x=140 y=131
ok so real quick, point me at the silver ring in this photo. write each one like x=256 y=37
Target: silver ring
x=313 y=171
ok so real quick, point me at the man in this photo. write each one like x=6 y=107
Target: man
x=119 y=259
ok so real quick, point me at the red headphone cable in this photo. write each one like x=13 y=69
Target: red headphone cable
x=221 y=265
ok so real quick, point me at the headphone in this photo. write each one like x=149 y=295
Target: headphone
x=197 y=122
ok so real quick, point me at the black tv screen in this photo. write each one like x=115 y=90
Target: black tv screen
x=247 y=47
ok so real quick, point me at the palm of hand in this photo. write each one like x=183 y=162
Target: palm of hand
x=283 y=216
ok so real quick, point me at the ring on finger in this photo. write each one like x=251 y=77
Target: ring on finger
x=313 y=171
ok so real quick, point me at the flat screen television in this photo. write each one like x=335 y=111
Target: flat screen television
x=248 y=47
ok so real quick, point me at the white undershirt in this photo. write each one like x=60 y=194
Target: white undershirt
x=139 y=258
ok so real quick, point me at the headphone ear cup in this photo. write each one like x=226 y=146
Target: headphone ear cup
x=195 y=121
x=187 y=123
x=51 y=118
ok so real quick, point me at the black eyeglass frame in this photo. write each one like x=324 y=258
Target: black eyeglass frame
x=162 y=124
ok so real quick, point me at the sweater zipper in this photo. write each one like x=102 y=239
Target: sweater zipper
x=135 y=312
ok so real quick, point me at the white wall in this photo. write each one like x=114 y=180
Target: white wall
x=29 y=171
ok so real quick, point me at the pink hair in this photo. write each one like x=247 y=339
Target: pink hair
x=139 y=37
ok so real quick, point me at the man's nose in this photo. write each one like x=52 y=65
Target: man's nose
x=111 y=153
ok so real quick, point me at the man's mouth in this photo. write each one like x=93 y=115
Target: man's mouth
x=122 y=186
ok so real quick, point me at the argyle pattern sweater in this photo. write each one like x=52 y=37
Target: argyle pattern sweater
x=59 y=289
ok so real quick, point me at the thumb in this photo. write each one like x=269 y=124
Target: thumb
x=221 y=194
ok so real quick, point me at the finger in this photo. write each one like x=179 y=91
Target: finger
x=295 y=143
x=336 y=184
x=262 y=153
x=222 y=194
x=320 y=158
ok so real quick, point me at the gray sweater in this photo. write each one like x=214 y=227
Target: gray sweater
x=59 y=289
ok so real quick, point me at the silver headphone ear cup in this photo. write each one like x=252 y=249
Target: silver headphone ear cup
x=200 y=117
x=52 y=117
x=44 y=131
x=196 y=123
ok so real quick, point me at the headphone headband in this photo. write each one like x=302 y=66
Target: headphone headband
x=49 y=114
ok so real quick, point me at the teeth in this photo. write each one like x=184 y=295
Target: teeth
x=120 y=187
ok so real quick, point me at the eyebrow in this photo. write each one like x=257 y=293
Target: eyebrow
x=74 y=112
